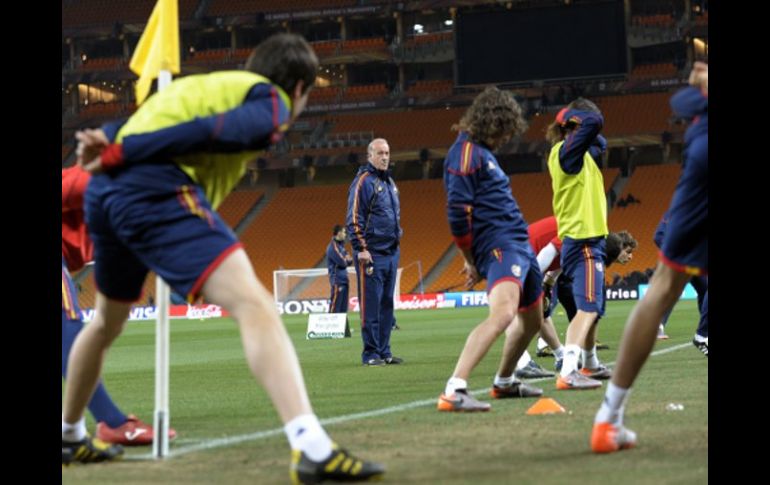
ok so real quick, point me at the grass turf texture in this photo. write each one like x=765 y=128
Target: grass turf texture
x=213 y=396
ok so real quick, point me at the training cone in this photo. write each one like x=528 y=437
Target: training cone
x=546 y=405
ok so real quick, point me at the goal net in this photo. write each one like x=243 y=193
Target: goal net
x=308 y=290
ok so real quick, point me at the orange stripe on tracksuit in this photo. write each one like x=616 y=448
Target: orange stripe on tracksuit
x=362 y=293
x=67 y=298
x=189 y=200
x=465 y=162
x=357 y=230
x=590 y=275
x=334 y=295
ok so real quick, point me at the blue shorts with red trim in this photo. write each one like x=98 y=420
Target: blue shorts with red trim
x=153 y=217
x=685 y=242
x=582 y=261
x=515 y=263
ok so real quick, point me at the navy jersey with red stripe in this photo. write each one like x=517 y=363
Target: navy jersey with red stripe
x=76 y=247
x=479 y=199
x=374 y=211
x=336 y=262
x=541 y=234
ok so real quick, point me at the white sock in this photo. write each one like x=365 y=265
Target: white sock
x=611 y=410
x=559 y=353
x=306 y=434
x=589 y=358
x=504 y=381
x=453 y=384
x=571 y=355
x=73 y=432
x=523 y=360
x=541 y=344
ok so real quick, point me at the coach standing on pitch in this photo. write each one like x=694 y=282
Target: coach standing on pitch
x=373 y=222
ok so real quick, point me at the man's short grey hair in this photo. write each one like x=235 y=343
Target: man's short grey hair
x=370 y=148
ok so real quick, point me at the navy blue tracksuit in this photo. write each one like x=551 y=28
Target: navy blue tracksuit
x=338 y=276
x=373 y=222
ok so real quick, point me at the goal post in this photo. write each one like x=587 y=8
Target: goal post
x=308 y=289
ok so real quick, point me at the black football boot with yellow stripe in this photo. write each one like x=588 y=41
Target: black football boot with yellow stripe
x=89 y=450
x=341 y=466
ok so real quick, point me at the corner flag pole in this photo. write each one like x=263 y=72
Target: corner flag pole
x=157 y=55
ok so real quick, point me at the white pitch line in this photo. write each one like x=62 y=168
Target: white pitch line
x=233 y=440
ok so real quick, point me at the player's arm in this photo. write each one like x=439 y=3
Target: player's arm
x=550 y=277
x=461 y=181
x=112 y=128
x=598 y=147
x=546 y=256
x=73 y=185
x=358 y=210
x=255 y=124
x=578 y=141
x=689 y=103
x=348 y=258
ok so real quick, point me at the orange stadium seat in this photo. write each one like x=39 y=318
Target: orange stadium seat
x=634 y=114
x=237 y=204
x=365 y=92
x=293 y=230
x=654 y=186
x=629 y=114
x=416 y=129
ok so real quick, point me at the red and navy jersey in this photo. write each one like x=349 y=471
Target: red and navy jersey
x=482 y=212
x=336 y=262
x=76 y=247
x=541 y=234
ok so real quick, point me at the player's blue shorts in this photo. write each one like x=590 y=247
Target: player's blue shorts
x=518 y=264
x=69 y=297
x=153 y=217
x=685 y=242
x=582 y=261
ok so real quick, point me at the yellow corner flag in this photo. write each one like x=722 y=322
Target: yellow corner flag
x=158 y=48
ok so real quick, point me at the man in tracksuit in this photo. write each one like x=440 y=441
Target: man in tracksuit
x=373 y=224
x=338 y=260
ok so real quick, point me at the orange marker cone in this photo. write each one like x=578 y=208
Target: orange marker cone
x=545 y=405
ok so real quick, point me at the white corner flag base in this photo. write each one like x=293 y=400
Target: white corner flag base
x=327 y=325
